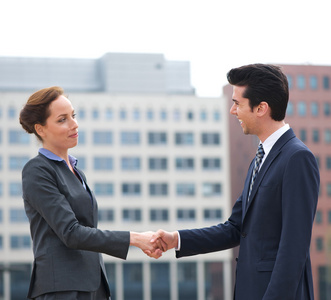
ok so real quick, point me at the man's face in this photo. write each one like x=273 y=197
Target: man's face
x=242 y=110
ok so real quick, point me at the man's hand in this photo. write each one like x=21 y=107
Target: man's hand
x=143 y=241
x=167 y=240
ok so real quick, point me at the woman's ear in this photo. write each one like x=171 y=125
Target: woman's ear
x=39 y=129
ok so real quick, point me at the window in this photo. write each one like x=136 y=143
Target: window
x=81 y=137
x=1 y=189
x=211 y=189
x=131 y=189
x=130 y=138
x=18 y=215
x=158 y=163
x=17 y=162
x=130 y=163
x=158 y=189
x=327 y=109
x=104 y=189
x=185 y=214
x=302 y=109
x=326 y=82
x=81 y=114
x=203 y=115
x=122 y=114
x=15 y=189
x=318 y=217
x=185 y=163
x=0 y=162
x=176 y=115
x=185 y=189
x=81 y=162
x=150 y=115
x=103 y=163
x=95 y=114
x=131 y=215
x=106 y=215
x=1 y=218
x=190 y=115
x=163 y=115
x=290 y=109
x=290 y=81
x=136 y=114
x=159 y=215
x=20 y=242
x=102 y=137
x=314 y=109
x=109 y=114
x=187 y=281
x=209 y=164
x=328 y=163
x=184 y=138
x=327 y=136
x=316 y=135
x=1 y=243
x=157 y=138
x=11 y=113
x=319 y=244
x=160 y=281
x=301 y=82
x=328 y=189
x=217 y=116
x=210 y=138
x=133 y=285
x=18 y=137
x=303 y=135
x=313 y=82
x=329 y=216
x=212 y=214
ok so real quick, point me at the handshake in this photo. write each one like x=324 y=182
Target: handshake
x=154 y=243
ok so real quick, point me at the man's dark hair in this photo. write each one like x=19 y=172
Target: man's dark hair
x=263 y=82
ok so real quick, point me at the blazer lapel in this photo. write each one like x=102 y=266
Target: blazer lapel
x=275 y=151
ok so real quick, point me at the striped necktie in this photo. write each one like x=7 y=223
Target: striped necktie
x=258 y=159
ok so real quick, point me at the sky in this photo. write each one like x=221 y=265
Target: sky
x=214 y=35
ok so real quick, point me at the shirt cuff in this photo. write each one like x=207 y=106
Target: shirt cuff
x=178 y=246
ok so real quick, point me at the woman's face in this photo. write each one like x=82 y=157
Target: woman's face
x=61 y=129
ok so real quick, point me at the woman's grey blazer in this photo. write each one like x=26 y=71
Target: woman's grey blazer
x=63 y=219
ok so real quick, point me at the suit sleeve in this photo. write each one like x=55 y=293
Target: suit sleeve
x=299 y=200
x=215 y=238
x=42 y=196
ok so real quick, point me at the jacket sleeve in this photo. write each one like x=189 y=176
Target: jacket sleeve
x=50 y=213
x=215 y=238
x=299 y=200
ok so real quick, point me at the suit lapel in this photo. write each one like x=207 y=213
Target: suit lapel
x=275 y=151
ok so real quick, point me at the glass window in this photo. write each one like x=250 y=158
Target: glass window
x=160 y=281
x=130 y=138
x=329 y=216
x=328 y=162
x=185 y=214
x=318 y=217
x=319 y=244
x=314 y=109
x=163 y=115
x=176 y=115
x=18 y=137
x=158 y=189
x=20 y=242
x=184 y=138
x=122 y=114
x=150 y=115
x=15 y=189
x=1 y=247
x=190 y=115
x=187 y=281
x=133 y=287
x=327 y=136
x=303 y=135
x=95 y=114
x=316 y=135
x=136 y=114
x=211 y=189
x=18 y=216
x=185 y=163
x=209 y=164
x=104 y=189
x=214 y=280
x=290 y=81
x=302 y=109
x=210 y=138
x=19 y=280
x=301 y=82
x=328 y=189
x=81 y=113
x=157 y=138
x=11 y=113
x=109 y=114
x=102 y=137
x=203 y=115
x=212 y=214
x=131 y=189
x=81 y=137
x=217 y=115
x=313 y=82
x=106 y=215
x=327 y=109
x=103 y=163
x=130 y=163
x=185 y=189
x=159 y=215
x=158 y=163
x=17 y=162
x=290 y=109
x=1 y=218
x=131 y=215
x=326 y=82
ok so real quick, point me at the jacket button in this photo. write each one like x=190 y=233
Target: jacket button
x=243 y=234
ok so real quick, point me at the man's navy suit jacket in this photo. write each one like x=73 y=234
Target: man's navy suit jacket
x=273 y=229
x=63 y=223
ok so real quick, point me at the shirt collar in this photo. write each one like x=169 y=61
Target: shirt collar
x=52 y=156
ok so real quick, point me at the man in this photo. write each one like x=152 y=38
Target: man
x=272 y=219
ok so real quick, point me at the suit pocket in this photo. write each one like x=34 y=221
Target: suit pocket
x=265 y=265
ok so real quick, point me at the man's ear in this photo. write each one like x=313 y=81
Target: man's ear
x=263 y=108
x=39 y=129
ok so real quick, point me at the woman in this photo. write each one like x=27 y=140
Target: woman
x=62 y=209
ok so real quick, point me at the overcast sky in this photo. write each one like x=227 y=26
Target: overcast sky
x=214 y=35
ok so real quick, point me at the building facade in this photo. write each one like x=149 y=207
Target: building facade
x=309 y=114
x=154 y=159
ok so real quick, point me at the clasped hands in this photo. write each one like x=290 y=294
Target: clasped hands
x=154 y=243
